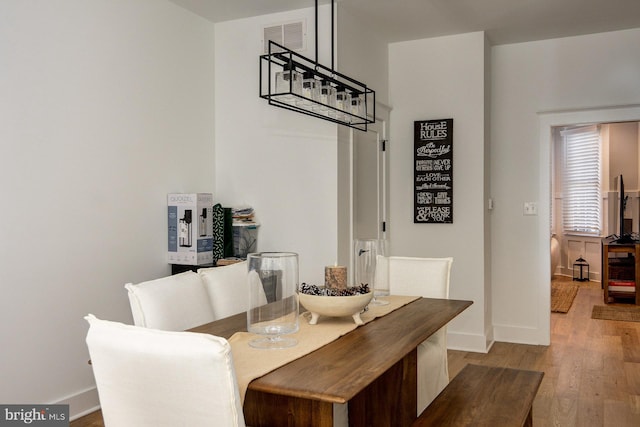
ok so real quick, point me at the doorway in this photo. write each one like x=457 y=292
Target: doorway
x=547 y=122
x=619 y=147
x=368 y=183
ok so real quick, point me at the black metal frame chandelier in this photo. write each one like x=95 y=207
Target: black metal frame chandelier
x=291 y=81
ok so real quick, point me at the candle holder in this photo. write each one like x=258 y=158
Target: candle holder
x=335 y=277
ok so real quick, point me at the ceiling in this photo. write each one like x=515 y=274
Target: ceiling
x=505 y=21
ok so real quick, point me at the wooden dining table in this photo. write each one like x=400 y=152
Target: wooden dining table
x=372 y=368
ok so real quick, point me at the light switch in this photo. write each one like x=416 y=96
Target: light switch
x=530 y=208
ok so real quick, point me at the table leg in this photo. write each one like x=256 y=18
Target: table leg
x=265 y=409
x=391 y=400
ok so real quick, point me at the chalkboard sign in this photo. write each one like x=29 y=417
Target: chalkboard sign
x=433 y=173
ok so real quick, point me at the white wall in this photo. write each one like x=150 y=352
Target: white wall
x=536 y=85
x=282 y=163
x=623 y=154
x=362 y=55
x=106 y=107
x=443 y=78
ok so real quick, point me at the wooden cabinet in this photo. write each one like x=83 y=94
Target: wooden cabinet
x=620 y=271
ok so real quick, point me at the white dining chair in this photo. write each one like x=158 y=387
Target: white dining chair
x=228 y=289
x=148 y=377
x=429 y=278
x=172 y=303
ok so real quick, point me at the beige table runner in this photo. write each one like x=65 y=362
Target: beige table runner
x=251 y=363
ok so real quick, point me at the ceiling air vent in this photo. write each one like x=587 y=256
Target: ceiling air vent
x=291 y=35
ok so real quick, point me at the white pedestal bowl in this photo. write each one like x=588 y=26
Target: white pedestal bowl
x=335 y=306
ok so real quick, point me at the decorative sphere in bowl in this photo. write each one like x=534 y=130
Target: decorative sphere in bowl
x=335 y=306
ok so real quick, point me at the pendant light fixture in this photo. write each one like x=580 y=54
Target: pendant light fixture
x=294 y=82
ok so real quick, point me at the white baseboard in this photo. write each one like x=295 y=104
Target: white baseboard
x=518 y=335
x=82 y=403
x=468 y=342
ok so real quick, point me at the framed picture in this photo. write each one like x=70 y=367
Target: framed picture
x=433 y=171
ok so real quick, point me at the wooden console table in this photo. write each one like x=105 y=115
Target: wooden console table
x=609 y=246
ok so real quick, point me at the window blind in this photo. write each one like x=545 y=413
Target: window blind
x=581 y=207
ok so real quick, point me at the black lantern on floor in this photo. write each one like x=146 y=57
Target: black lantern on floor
x=579 y=268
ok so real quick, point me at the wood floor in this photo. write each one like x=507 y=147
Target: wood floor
x=592 y=368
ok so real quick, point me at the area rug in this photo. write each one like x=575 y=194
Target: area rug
x=562 y=295
x=616 y=312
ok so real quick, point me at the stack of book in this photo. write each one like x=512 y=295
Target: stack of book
x=618 y=285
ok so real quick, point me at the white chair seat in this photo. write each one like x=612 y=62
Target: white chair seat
x=429 y=278
x=433 y=368
x=153 y=378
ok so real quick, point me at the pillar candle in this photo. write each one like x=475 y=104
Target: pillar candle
x=335 y=276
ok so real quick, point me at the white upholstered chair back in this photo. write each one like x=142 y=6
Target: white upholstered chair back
x=228 y=289
x=425 y=277
x=172 y=303
x=148 y=377
x=429 y=278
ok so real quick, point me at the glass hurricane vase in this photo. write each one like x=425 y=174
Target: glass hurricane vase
x=273 y=274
